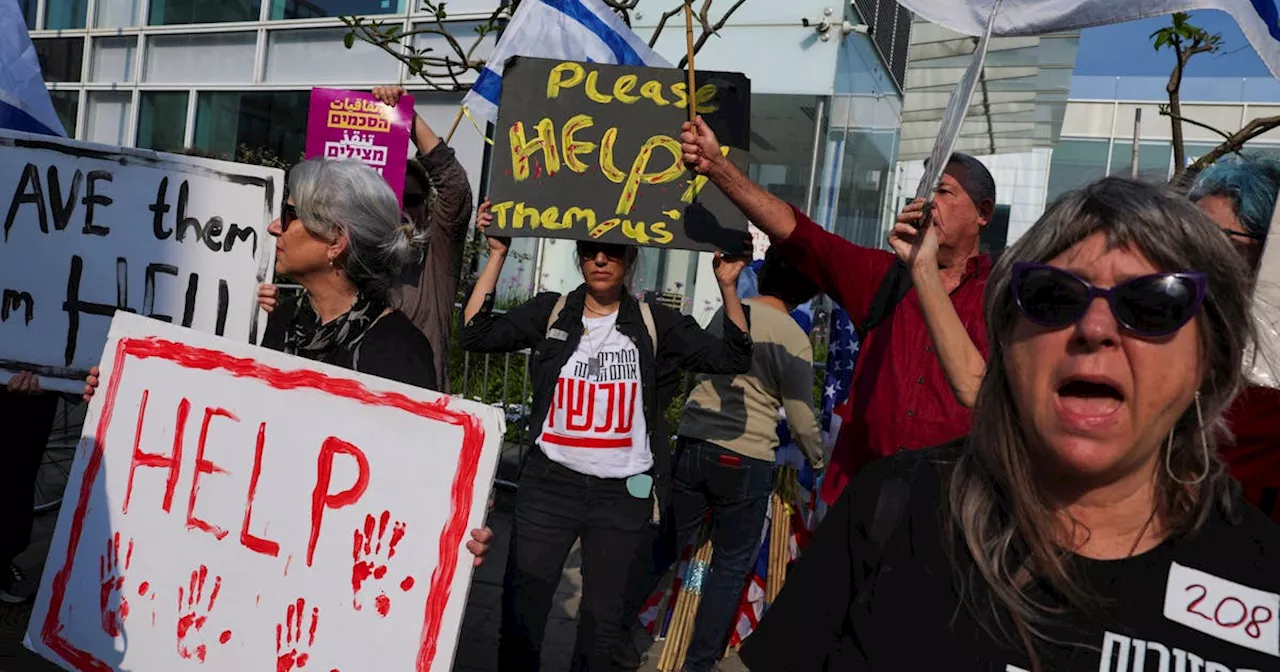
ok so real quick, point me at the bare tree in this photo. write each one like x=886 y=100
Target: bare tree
x=1188 y=40
x=442 y=67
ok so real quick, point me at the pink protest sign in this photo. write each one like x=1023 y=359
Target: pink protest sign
x=355 y=125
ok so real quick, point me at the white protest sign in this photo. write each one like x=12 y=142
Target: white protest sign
x=89 y=229
x=236 y=508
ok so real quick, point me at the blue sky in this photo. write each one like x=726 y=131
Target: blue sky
x=1125 y=49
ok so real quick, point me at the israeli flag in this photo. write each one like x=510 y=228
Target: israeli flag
x=24 y=100
x=1259 y=20
x=569 y=30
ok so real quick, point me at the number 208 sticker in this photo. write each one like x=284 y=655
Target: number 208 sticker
x=1224 y=609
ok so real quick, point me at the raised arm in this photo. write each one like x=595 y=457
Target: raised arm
x=846 y=272
x=451 y=207
x=487 y=282
x=961 y=360
x=521 y=327
x=702 y=153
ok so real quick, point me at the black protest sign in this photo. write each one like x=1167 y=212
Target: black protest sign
x=88 y=230
x=586 y=151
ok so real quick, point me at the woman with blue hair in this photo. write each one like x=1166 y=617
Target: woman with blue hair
x=1239 y=195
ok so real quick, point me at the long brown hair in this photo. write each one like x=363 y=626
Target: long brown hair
x=1009 y=531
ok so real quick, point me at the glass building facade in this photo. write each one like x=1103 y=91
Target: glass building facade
x=233 y=77
x=1098 y=129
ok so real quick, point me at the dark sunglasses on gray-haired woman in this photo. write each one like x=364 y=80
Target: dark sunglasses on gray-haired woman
x=288 y=214
x=1151 y=305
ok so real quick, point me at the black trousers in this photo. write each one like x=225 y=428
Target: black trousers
x=26 y=420
x=556 y=506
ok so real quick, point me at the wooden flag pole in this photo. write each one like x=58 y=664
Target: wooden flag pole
x=688 y=36
x=454 y=127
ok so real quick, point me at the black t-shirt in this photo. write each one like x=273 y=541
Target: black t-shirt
x=393 y=348
x=1203 y=603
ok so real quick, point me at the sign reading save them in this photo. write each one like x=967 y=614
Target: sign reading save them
x=592 y=152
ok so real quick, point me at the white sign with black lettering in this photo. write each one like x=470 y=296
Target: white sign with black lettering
x=90 y=229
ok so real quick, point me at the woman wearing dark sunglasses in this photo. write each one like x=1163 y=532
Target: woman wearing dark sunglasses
x=604 y=367
x=1087 y=521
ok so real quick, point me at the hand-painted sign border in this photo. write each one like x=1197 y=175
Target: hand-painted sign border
x=191 y=357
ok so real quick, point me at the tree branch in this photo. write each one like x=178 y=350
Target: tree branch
x=662 y=23
x=702 y=17
x=1233 y=144
x=706 y=35
x=1164 y=112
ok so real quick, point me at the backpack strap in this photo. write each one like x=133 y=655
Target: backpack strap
x=891 y=291
x=555 y=311
x=646 y=314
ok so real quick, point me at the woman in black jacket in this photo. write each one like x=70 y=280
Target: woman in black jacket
x=601 y=464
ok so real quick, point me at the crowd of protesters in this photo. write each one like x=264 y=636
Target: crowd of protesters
x=1037 y=443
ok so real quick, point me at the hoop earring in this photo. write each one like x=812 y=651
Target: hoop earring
x=1204 y=448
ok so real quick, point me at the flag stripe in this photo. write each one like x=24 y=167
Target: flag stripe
x=622 y=52
x=24 y=101
x=18 y=120
x=569 y=30
x=1266 y=10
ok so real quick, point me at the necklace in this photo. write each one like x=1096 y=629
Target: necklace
x=594 y=365
x=589 y=309
x=1142 y=533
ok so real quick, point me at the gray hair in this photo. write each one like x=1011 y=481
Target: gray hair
x=337 y=197
x=995 y=506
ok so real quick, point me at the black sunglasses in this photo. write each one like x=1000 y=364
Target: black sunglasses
x=611 y=250
x=414 y=200
x=1152 y=305
x=288 y=214
x=1247 y=235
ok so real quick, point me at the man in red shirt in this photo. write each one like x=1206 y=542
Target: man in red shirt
x=900 y=396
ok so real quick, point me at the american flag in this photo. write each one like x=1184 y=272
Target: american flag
x=842 y=353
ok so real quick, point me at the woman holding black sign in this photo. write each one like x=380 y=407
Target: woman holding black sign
x=601 y=465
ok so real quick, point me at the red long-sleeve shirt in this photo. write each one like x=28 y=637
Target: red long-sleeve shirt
x=899 y=395
x=1254 y=455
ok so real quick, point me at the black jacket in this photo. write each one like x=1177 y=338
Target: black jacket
x=393 y=348
x=682 y=344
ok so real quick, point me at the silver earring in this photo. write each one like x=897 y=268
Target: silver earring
x=1204 y=449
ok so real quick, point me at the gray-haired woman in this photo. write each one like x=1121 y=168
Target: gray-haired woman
x=341 y=237
x=1087 y=523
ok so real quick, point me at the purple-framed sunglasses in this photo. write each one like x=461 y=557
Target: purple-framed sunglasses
x=1152 y=305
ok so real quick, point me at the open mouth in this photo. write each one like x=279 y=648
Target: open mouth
x=1092 y=398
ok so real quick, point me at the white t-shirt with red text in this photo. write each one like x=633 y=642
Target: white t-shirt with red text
x=596 y=424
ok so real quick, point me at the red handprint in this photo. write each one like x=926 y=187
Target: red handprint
x=192 y=621
x=115 y=608
x=289 y=635
x=367 y=564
